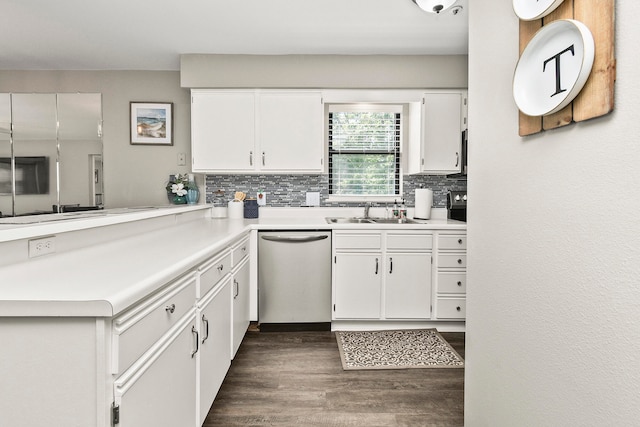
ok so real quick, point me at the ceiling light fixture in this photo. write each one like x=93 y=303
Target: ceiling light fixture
x=434 y=6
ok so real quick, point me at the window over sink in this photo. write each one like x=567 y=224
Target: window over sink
x=364 y=151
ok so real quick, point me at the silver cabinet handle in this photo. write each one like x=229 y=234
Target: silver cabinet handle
x=221 y=267
x=458 y=308
x=459 y=261
x=205 y=322
x=376 y=265
x=170 y=308
x=250 y=158
x=459 y=241
x=457 y=159
x=390 y=265
x=237 y=291
x=194 y=331
x=459 y=283
x=263 y=156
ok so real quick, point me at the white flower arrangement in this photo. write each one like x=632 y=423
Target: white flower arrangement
x=179 y=185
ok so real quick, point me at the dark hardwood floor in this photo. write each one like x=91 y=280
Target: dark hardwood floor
x=296 y=379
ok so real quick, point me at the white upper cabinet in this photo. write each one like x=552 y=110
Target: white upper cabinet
x=257 y=131
x=222 y=131
x=443 y=118
x=290 y=131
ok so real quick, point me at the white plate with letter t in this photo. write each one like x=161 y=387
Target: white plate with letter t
x=553 y=68
x=530 y=10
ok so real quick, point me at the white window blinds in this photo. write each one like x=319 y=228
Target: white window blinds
x=364 y=150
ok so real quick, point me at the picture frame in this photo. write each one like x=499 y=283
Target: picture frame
x=151 y=123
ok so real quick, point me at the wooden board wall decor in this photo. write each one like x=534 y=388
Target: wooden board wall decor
x=596 y=97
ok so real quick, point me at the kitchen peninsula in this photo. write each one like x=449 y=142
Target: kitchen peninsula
x=132 y=309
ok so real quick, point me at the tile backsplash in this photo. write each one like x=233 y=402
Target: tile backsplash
x=290 y=190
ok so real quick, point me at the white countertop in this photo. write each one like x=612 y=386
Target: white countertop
x=105 y=279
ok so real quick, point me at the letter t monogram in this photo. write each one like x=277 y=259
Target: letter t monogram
x=556 y=57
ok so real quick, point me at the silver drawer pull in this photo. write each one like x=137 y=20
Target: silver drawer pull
x=221 y=267
x=459 y=241
x=170 y=308
x=458 y=308
x=459 y=283
x=459 y=261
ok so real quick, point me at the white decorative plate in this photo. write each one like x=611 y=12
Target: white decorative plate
x=553 y=68
x=530 y=10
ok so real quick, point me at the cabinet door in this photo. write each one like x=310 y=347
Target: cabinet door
x=357 y=283
x=441 y=133
x=160 y=390
x=222 y=131
x=408 y=286
x=290 y=131
x=241 y=278
x=214 y=319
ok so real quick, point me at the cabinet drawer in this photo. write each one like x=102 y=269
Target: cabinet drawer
x=452 y=283
x=451 y=308
x=212 y=271
x=240 y=251
x=452 y=260
x=451 y=241
x=141 y=326
x=357 y=240
x=409 y=241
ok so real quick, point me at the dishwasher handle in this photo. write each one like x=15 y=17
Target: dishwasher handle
x=295 y=239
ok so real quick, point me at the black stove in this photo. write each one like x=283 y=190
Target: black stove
x=457 y=205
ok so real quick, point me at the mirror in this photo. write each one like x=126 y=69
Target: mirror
x=50 y=153
x=6 y=191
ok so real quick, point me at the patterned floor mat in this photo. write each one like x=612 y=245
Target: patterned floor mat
x=397 y=349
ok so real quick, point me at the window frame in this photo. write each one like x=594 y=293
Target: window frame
x=396 y=108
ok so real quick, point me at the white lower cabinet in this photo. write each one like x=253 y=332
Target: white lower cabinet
x=160 y=388
x=240 y=305
x=358 y=281
x=159 y=363
x=214 y=320
x=451 y=282
x=381 y=275
x=406 y=297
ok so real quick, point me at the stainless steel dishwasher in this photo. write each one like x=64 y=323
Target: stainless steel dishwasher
x=294 y=280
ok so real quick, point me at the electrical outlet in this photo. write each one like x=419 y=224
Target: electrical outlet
x=182 y=159
x=313 y=198
x=42 y=246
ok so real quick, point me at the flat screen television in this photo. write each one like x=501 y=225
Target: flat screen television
x=32 y=175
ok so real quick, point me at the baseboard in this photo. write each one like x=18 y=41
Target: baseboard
x=294 y=327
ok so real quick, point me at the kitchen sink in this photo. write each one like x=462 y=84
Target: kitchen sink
x=349 y=220
x=356 y=220
x=394 y=221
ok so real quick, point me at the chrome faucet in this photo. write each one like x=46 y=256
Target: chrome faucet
x=367 y=206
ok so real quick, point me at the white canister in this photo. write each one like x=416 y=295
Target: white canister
x=424 y=200
x=235 y=209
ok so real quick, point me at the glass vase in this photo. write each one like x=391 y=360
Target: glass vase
x=175 y=199
x=193 y=194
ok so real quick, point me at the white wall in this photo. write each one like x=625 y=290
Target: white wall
x=134 y=175
x=553 y=333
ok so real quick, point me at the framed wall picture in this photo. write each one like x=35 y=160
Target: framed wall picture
x=151 y=123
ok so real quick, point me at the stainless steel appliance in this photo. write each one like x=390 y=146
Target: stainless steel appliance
x=457 y=205
x=294 y=280
x=463 y=156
